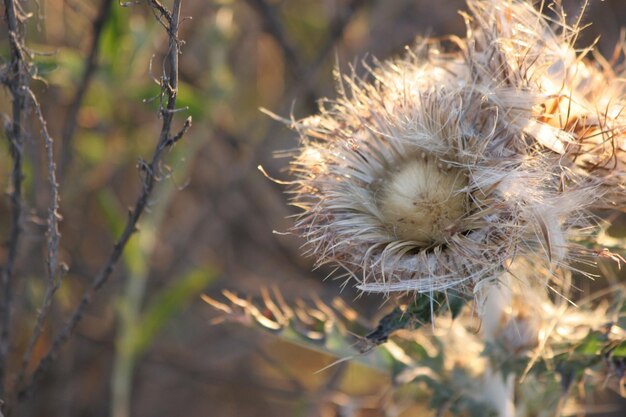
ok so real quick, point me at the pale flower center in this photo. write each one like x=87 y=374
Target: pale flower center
x=423 y=202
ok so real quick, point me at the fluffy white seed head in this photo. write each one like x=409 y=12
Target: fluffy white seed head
x=449 y=164
x=423 y=202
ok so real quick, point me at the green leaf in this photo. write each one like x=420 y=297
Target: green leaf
x=113 y=35
x=591 y=345
x=62 y=67
x=620 y=350
x=165 y=304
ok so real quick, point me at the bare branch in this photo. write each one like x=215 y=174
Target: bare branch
x=169 y=88
x=54 y=276
x=160 y=13
x=170 y=142
x=16 y=79
x=91 y=64
x=53 y=209
x=337 y=28
x=275 y=28
x=301 y=71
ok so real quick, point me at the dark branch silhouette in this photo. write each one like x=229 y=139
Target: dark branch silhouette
x=16 y=79
x=150 y=172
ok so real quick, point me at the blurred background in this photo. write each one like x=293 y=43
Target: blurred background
x=146 y=347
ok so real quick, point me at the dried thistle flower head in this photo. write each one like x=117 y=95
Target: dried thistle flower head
x=448 y=164
x=420 y=201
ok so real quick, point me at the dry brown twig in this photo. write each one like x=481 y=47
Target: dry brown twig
x=55 y=271
x=91 y=64
x=16 y=79
x=169 y=89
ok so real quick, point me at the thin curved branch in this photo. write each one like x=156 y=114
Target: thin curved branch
x=150 y=171
x=55 y=272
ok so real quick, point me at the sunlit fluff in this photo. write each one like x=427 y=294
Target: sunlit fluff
x=442 y=167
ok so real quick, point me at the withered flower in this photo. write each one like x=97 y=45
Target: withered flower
x=445 y=165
